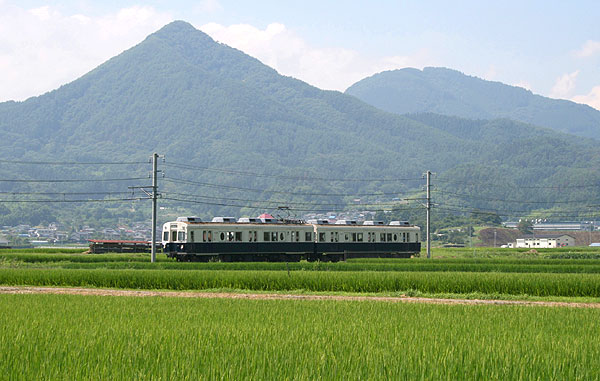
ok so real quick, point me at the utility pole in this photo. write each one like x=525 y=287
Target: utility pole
x=428 y=207
x=154 y=197
x=152 y=193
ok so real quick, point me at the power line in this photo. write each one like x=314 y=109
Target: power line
x=219 y=186
x=63 y=193
x=262 y=207
x=72 y=180
x=71 y=162
x=463 y=208
x=75 y=201
x=391 y=204
x=474 y=211
x=464 y=195
x=488 y=185
x=299 y=178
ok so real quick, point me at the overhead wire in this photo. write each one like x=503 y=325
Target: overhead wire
x=75 y=201
x=72 y=162
x=279 y=202
x=511 y=201
x=295 y=204
x=581 y=186
x=463 y=208
x=474 y=211
x=259 y=206
x=285 y=177
x=73 y=180
x=222 y=186
x=62 y=193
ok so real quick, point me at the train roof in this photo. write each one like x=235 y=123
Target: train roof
x=218 y=221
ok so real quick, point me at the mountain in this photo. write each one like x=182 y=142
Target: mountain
x=449 y=92
x=218 y=114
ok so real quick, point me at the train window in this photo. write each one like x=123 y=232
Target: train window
x=337 y=237
x=281 y=237
x=250 y=235
x=238 y=236
x=332 y=236
x=297 y=236
x=173 y=236
x=321 y=237
x=308 y=236
x=346 y=237
x=267 y=237
x=209 y=236
x=255 y=234
x=181 y=236
x=382 y=237
x=165 y=236
x=416 y=237
x=203 y=235
x=274 y=236
x=404 y=237
x=222 y=236
x=191 y=236
x=359 y=237
x=353 y=237
x=395 y=237
x=389 y=237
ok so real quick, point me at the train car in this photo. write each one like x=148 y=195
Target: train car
x=346 y=239
x=258 y=240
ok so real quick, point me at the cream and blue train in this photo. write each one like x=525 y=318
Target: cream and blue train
x=265 y=239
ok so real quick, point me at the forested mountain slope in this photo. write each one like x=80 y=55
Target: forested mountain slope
x=199 y=102
x=449 y=92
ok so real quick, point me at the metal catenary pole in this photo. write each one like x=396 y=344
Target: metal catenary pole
x=428 y=207
x=154 y=197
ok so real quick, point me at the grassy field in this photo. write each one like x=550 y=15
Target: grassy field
x=91 y=337
x=108 y=337
x=491 y=273
x=536 y=284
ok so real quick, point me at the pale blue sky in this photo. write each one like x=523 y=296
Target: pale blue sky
x=550 y=47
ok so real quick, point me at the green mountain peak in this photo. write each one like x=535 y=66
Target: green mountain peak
x=450 y=92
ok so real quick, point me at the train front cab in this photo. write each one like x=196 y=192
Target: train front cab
x=173 y=238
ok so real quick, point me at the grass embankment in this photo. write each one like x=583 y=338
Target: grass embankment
x=90 y=337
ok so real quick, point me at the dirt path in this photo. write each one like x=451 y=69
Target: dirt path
x=213 y=295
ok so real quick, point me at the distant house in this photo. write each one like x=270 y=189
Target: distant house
x=544 y=241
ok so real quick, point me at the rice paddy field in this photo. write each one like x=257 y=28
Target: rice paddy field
x=122 y=337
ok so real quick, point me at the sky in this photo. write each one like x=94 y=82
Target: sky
x=549 y=47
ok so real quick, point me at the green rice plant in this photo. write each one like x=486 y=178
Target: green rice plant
x=74 y=257
x=569 y=285
x=130 y=262
x=92 y=337
x=44 y=251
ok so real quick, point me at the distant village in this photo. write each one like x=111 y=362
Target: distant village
x=56 y=234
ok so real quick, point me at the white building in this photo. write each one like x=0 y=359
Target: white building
x=544 y=241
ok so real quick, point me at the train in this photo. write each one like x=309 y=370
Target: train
x=226 y=239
